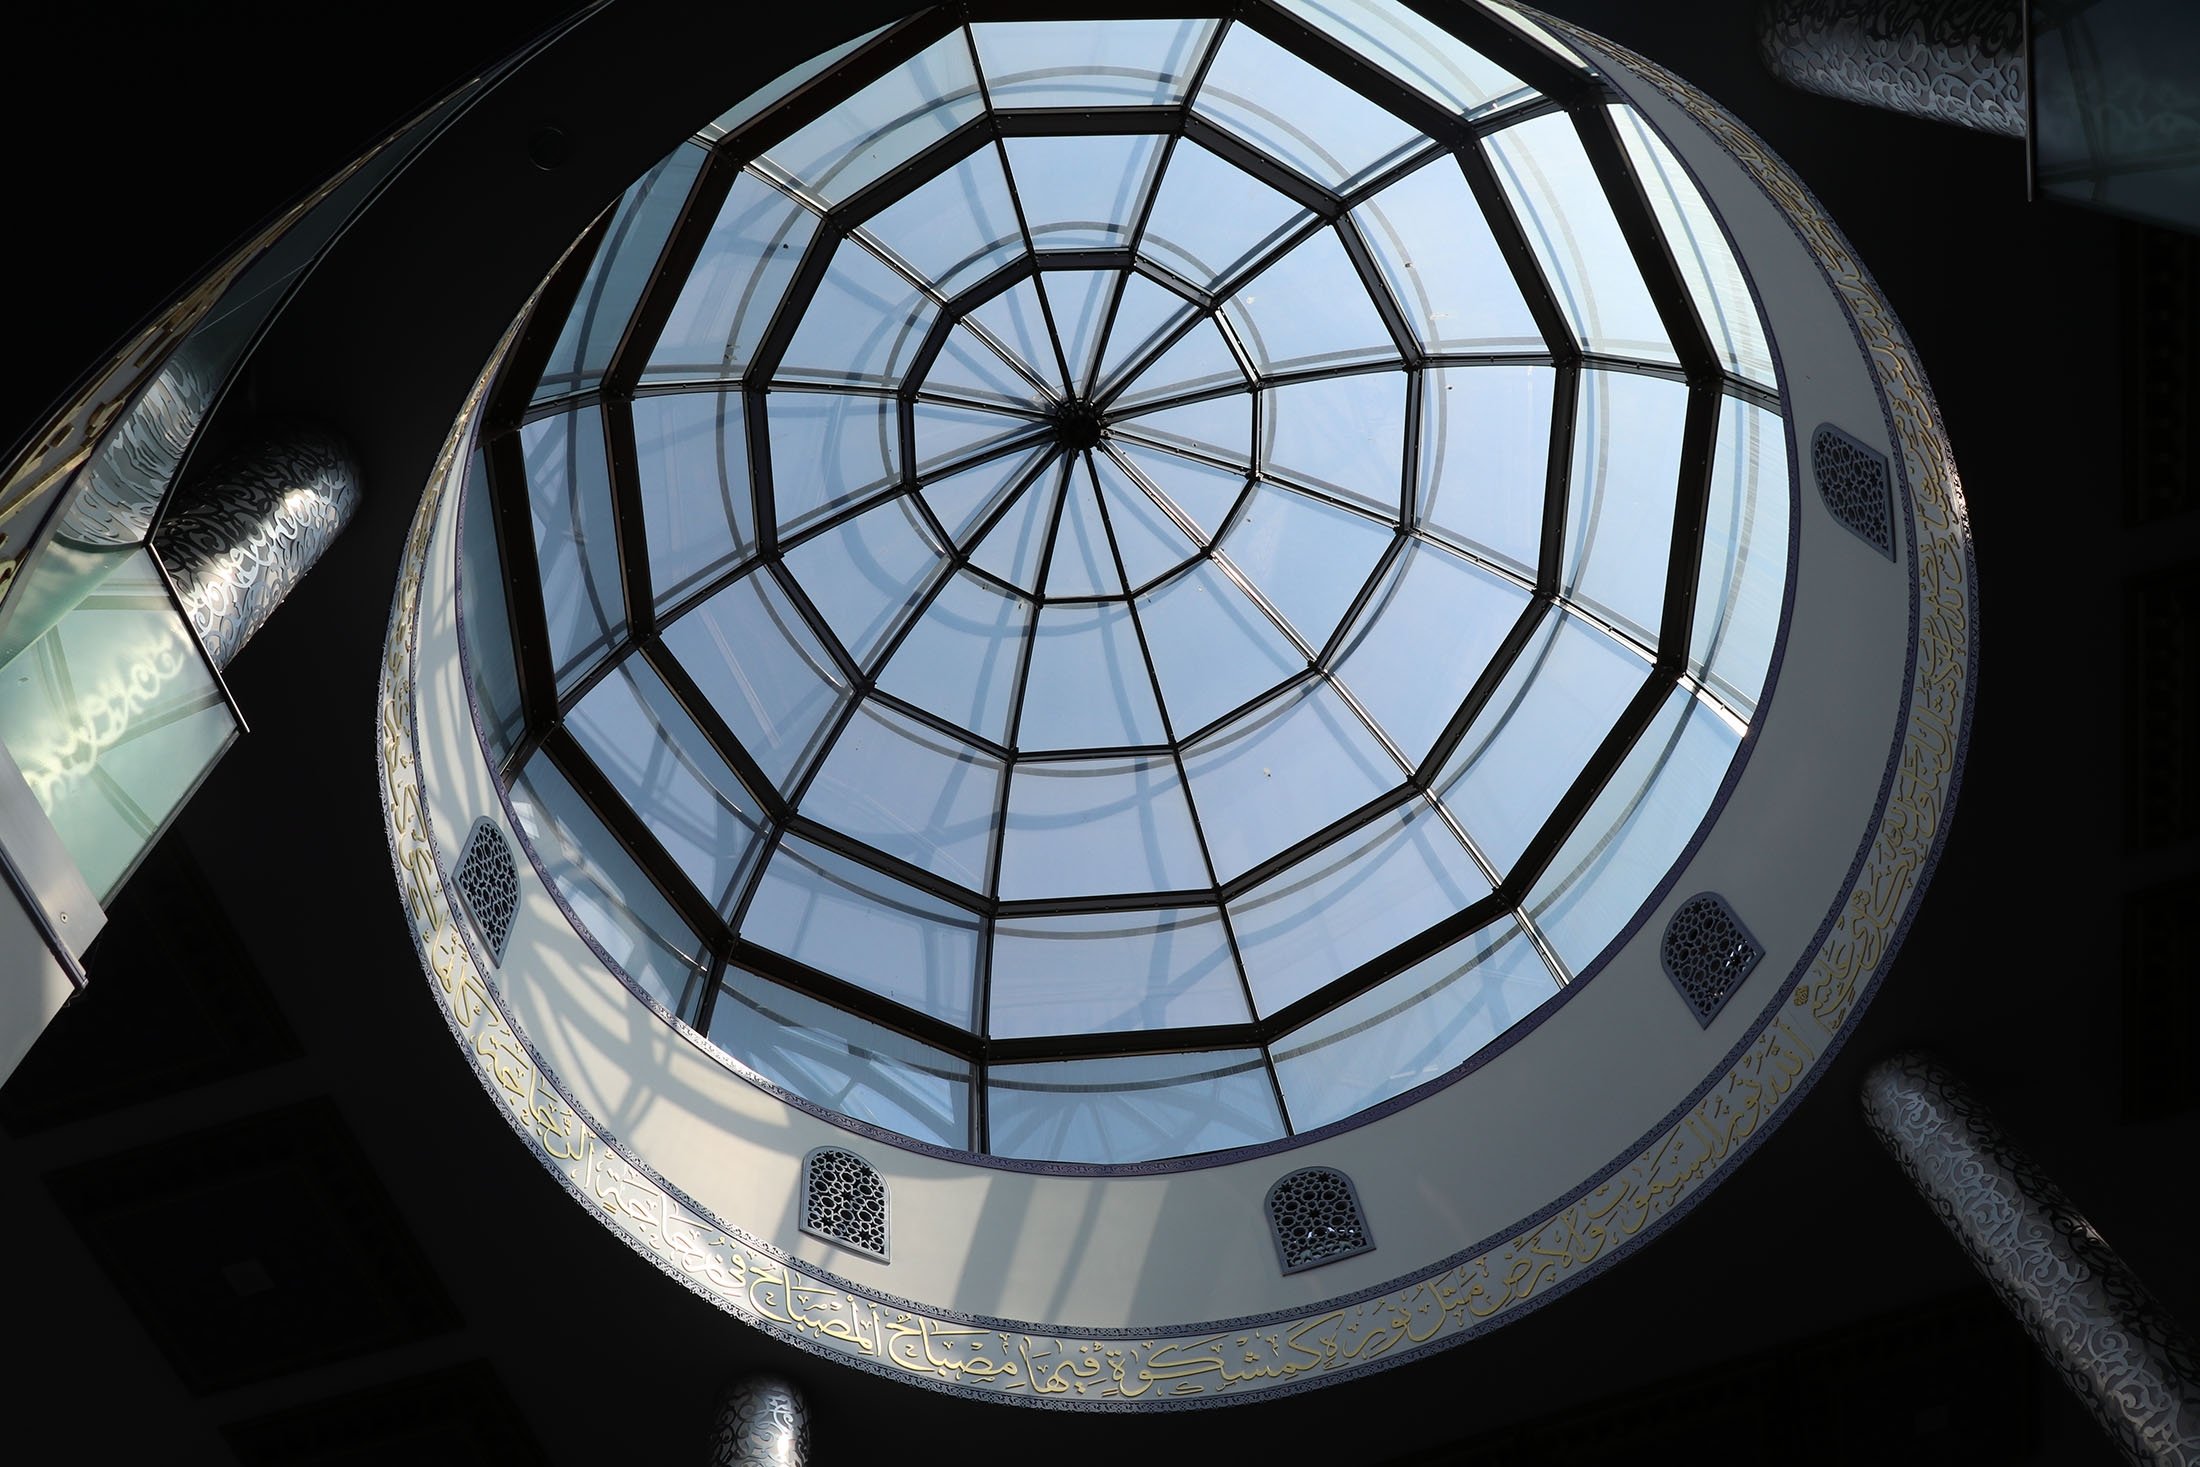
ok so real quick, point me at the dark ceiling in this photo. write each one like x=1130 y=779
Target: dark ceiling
x=264 y=1214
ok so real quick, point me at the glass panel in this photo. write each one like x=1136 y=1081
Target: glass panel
x=763 y=670
x=1568 y=220
x=780 y=87
x=1145 y=313
x=911 y=792
x=1423 y=641
x=691 y=455
x=841 y=917
x=618 y=274
x=1213 y=649
x=1485 y=458
x=1113 y=63
x=1106 y=972
x=1210 y=217
x=1435 y=248
x=948 y=435
x=1715 y=279
x=1083 y=563
x=1619 y=504
x=961 y=658
x=614 y=903
x=644 y=742
x=1309 y=309
x=1082 y=193
x=1094 y=827
x=1281 y=773
x=1087 y=687
x=739 y=279
x=1201 y=493
x=1634 y=832
x=114 y=717
x=828 y=449
x=1410 y=1029
x=1221 y=427
x=864 y=324
x=963 y=498
x=847 y=1065
x=1536 y=33
x=1078 y=301
x=968 y=367
x=1298 y=113
x=1016 y=545
x=1345 y=434
x=1018 y=324
x=1149 y=542
x=1199 y=359
x=1524 y=750
x=865 y=573
x=1415 y=50
x=954 y=229
x=884 y=125
x=576 y=537
x=1308 y=557
x=1351 y=903
x=1131 y=1108
x=1742 y=577
x=486 y=618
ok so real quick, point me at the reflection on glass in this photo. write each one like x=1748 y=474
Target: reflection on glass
x=912 y=792
x=1351 y=903
x=955 y=228
x=1199 y=493
x=841 y=917
x=576 y=538
x=1308 y=556
x=1442 y=264
x=1215 y=427
x=863 y=325
x=1416 y=51
x=884 y=125
x=1309 y=309
x=1345 y=434
x=1150 y=541
x=961 y=499
x=1412 y=1028
x=1485 y=456
x=1093 y=827
x=762 y=669
x=828 y=449
x=1562 y=207
x=740 y=277
x=1077 y=303
x=1523 y=751
x=1634 y=832
x=1116 y=63
x=692 y=467
x=1213 y=649
x=1082 y=193
x=1298 y=113
x=1145 y=315
x=1103 y=972
x=960 y=659
x=1083 y=561
x=1282 y=772
x=1423 y=640
x=611 y=898
x=1133 y=1108
x=847 y=1065
x=1087 y=687
x=864 y=574
x=1016 y=323
x=1619 y=502
x=1015 y=547
x=1210 y=218
x=632 y=729
x=1197 y=361
x=947 y=435
x=1742 y=578
x=969 y=367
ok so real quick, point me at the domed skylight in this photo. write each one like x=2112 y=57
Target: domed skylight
x=1118 y=589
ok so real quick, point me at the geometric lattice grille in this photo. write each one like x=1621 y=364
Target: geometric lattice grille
x=843 y=1201
x=1854 y=481
x=1707 y=953
x=1316 y=1217
x=488 y=882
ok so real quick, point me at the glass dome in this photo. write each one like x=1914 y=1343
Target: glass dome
x=1101 y=591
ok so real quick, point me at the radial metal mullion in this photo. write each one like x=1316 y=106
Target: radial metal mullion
x=1691 y=505
x=1402 y=335
x=1574 y=804
x=622 y=459
x=1162 y=344
x=1332 y=649
x=635 y=837
x=1518 y=254
x=676 y=259
x=706 y=1004
x=506 y=470
x=1348 y=67
x=904 y=179
x=1191 y=804
x=993 y=517
x=842 y=659
x=673 y=673
x=1517 y=637
x=1324 y=202
x=1646 y=242
x=530 y=354
x=1558 y=473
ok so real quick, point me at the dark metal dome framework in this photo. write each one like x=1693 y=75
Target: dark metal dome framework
x=596 y=332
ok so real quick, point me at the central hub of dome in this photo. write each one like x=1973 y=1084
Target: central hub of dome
x=1077 y=424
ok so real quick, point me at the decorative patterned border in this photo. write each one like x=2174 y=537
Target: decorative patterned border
x=1463 y=1296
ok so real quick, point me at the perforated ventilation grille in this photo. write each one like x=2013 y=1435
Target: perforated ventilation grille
x=843 y=1201
x=488 y=883
x=1707 y=953
x=1854 y=481
x=1317 y=1220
